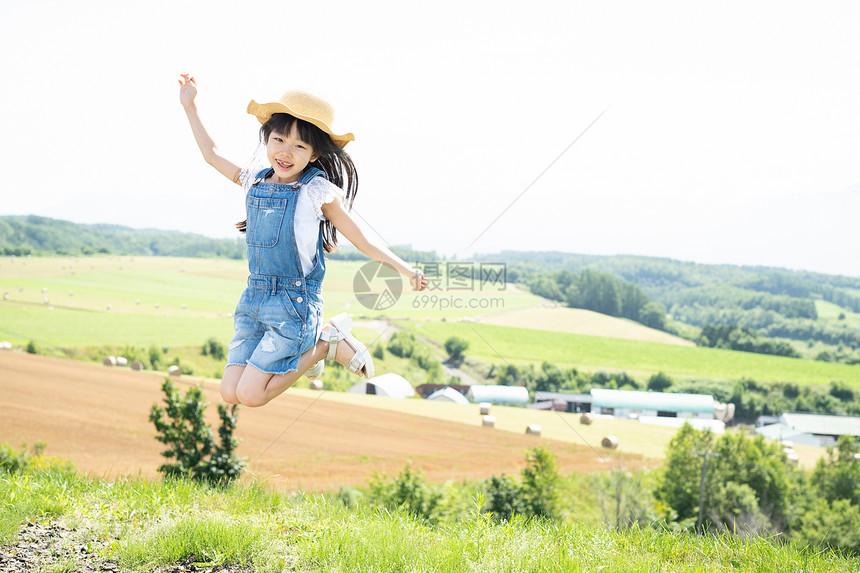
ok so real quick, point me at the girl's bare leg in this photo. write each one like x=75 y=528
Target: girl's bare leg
x=248 y=386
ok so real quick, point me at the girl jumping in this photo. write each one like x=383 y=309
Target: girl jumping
x=294 y=206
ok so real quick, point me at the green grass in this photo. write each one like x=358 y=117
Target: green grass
x=499 y=344
x=93 y=301
x=145 y=524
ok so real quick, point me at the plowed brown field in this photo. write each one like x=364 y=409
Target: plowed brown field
x=97 y=417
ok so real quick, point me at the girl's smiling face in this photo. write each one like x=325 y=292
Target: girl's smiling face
x=288 y=155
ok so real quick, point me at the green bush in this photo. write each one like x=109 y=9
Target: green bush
x=215 y=349
x=456 y=348
x=835 y=525
x=837 y=476
x=402 y=344
x=14 y=461
x=32 y=348
x=156 y=357
x=504 y=498
x=190 y=444
x=540 y=483
x=409 y=492
x=659 y=382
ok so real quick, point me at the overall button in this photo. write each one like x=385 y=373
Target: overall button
x=299 y=299
x=298 y=283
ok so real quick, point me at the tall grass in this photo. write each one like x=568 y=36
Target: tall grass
x=148 y=524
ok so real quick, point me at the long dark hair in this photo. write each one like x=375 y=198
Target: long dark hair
x=331 y=159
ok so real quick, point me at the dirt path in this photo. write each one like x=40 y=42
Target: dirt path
x=97 y=417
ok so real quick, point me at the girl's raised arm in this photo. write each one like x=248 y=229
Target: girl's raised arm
x=187 y=93
x=344 y=223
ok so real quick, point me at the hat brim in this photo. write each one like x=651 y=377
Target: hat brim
x=264 y=111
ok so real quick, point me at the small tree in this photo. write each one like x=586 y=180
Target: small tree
x=539 y=485
x=456 y=347
x=659 y=382
x=182 y=427
x=214 y=348
x=504 y=498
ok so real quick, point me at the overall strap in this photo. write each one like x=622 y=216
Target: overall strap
x=309 y=173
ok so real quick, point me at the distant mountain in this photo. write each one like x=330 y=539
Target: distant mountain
x=30 y=234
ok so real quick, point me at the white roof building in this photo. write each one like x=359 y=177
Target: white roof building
x=517 y=395
x=448 y=395
x=390 y=385
x=821 y=425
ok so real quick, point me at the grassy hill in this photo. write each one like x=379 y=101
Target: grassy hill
x=500 y=345
x=53 y=519
x=168 y=301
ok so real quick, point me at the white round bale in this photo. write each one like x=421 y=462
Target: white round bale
x=174 y=371
x=485 y=408
x=121 y=361
x=586 y=419
x=488 y=421
x=110 y=361
x=609 y=442
x=533 y=429
x=137 y=365
x=316 y=385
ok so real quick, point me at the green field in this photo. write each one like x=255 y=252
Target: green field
x=89 y=301
x=499 y=344
x=140 y=301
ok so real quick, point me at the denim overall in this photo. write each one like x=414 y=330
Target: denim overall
x=279 y=315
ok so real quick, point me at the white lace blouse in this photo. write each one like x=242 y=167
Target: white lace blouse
x=306 y=224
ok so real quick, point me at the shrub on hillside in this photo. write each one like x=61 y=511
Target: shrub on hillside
x=456 y=348
x=14 y=461
x=409 y=492
x=190 y=444
x=215 y=349
x=504 y=498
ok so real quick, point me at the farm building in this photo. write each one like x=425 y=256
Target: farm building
x=576 y=403
x=628 y=403
x=448 y=395
x=389 y=385
x=826 y=429
x=425 y=390
x=515 y=395
x=782 y=432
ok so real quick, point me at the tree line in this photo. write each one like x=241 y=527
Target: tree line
x=600 y=292
x=32 y=235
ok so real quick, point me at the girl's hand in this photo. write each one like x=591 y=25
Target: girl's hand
x=187 y=90
x=418 y=280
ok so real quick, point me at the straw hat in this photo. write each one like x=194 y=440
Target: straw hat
x=303 y=106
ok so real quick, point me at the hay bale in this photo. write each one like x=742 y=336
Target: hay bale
x=609 y=442
x=316 y=385
x=121 y=361
x=5 y=346
x=586 y=419
x=533 y=429
x=488 y=421
x=109 y=361
x=792 y=457
x=485 y=408
x=174 y=371
x=137 y=365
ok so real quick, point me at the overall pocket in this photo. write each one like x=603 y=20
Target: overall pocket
x=294 y=305
x=265 y=217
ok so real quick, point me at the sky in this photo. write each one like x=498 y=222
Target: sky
x=715 y=132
